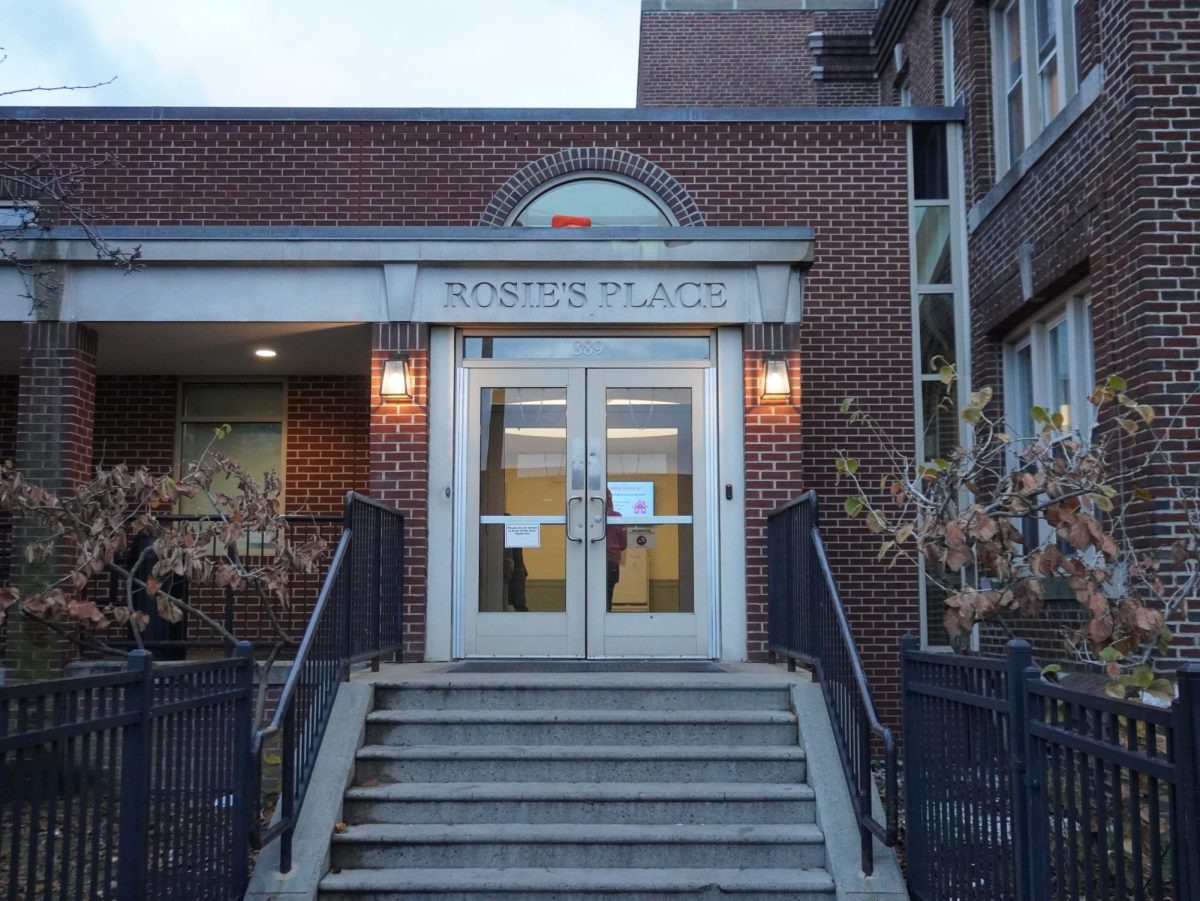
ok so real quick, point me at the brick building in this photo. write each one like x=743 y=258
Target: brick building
x=821 y=184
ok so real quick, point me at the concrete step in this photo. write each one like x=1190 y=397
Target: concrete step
x=569 y=845
x=592 y=802
x=581 y=727
x=570 y=884
x=517 y=693
x=571 y=763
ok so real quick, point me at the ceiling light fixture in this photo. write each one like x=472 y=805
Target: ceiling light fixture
x=265 y=353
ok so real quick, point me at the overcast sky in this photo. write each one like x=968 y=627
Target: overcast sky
x=328 y=53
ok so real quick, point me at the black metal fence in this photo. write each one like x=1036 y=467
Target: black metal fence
x=806 y=623
x=129 y=784
x=358 y=616
x=1019 y=789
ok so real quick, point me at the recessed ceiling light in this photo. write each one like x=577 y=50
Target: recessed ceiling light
x=265 y=352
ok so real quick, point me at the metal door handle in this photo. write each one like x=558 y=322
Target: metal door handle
x=571 y=537
x=600 y=520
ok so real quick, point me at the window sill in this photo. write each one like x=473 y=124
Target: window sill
x=1089 y=92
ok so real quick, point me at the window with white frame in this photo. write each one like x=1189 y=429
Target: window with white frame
x=1033 y=70
x=936 y=242
x=949 y=91
x=254 y=412
x=1049 y=363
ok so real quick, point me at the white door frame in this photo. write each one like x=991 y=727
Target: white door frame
x=725 y=396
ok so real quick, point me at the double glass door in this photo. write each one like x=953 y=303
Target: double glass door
x=586 y=513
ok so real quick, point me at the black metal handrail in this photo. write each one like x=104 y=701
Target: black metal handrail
x=807 y=624
x=358 y=616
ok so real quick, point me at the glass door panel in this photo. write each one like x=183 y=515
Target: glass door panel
x=645 y=595
x=518 y=595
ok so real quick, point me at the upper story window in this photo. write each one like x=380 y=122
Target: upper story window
x=604 y=198
x=1034 y=70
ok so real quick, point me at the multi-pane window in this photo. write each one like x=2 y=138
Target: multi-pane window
x=605 y=199
x=1033 y=52
x=253 y=411
x=1049 y=363
x=939 y=319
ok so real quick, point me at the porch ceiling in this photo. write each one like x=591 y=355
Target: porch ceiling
x=214 y=348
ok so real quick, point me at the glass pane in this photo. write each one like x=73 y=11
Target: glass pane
x=650 y=565
x=937 y=328
x=937 y=582
x=1022 y=399
x=522 y=451
x=228 y=402
x=604 y=202
x=1046 y=13
x=1016 y=124
x=930 y=172
x=932 y=224
x=522 y=579
x=1049 y=79
x=1060 y=372
x=552 y=347
x=1012 y=45
x=257 y=446
x=522 y=462
x=940 y=435
x=650 y=569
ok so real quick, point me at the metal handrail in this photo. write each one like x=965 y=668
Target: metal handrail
x=801 y=606
x=326 y=653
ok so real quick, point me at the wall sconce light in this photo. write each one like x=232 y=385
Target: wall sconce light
x=395 y=385
x=776 y=383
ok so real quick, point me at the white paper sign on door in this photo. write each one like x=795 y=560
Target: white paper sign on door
x=520 y=534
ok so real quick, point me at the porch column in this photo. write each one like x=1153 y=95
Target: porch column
x=55 y=411
x=399 y=462
x=774 y=462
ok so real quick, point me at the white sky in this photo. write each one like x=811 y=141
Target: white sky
x=516 y=53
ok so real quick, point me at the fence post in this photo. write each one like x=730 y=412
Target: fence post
x=1020 y=658
x=134 y=829
x=1186 y=727
x=245 y=799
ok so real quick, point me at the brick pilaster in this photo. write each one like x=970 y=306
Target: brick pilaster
x=399 y=462
x=55 y=410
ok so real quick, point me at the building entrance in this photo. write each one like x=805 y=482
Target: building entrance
x=587 y=501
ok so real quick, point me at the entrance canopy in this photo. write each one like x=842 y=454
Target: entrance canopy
x=627 y=276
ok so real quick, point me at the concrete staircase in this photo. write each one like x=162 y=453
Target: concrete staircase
x=565 y=787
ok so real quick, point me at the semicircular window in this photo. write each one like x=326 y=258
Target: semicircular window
x=604 y=201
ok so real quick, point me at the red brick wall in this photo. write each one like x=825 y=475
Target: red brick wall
x=399 y=465
x=740 y=58
x=846 y=179
x=135 y=422
x=53 y=449
x=327 y=427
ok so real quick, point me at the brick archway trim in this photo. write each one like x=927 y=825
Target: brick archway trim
x=592 y=159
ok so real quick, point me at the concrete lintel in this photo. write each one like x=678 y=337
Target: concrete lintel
x=332 y=775
x=835 y=814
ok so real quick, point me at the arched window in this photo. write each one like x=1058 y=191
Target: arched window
x=605 y=198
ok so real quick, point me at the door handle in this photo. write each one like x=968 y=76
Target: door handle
x=599 y=520
x=571 y=537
